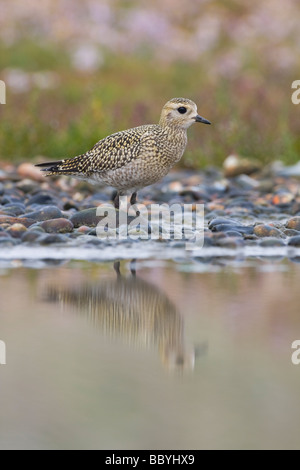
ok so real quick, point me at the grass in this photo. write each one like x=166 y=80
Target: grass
x=252 y=114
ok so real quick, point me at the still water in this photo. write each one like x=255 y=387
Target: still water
x=173 y=356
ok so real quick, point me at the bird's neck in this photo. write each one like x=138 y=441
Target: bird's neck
x=173 y=129
x=177 y=140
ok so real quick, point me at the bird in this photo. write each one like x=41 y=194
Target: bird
x=132 y=159
x=135 y=311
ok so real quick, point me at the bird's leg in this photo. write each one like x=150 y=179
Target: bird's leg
x=133 y=199
x=117 y=269
x=116 y=201
x=133 y=267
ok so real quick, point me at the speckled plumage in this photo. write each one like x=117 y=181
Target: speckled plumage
x=132 y=159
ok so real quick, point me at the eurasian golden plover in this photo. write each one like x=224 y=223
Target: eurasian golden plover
x=132 y=159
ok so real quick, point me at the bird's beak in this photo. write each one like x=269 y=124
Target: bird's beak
x=201 y=119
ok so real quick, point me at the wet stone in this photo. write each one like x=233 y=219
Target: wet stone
x=27 y=186
x=7 y=242
x=42 y=199
x=222 y=220
x=30 y=236
x=57 y=226
x=230 y=242
x=17 y=230
x=243 y=229
x=271 y=241
x=4 y=234
x=16 y=209
x=36 y=228
x=53 y=239
x=16 y=220
x=290 y=232
x=86 y=217
x=47 y=213
x=264 y=230
x=294 y=241
x=293 y=223
x=83 y=229
x=233 y=233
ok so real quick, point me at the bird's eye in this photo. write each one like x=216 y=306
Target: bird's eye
x=182 y=110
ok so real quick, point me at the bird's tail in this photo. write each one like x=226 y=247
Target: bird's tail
x=72 y=166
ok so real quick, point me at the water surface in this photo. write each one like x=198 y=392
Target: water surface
x=179 y=356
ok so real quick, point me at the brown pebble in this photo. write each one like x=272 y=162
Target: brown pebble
x=293 y=223
x=6 y=219
x=17 y=230
x=27 y=170
x=57 y=226
x=263 y=230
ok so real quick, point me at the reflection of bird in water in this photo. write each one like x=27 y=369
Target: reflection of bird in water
x=136 y=310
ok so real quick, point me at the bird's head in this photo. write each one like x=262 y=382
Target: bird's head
x=180 y=112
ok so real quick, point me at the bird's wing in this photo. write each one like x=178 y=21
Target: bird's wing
x=110 y=153
x=118 y=149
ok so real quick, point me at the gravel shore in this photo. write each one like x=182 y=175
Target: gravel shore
x=262 y=209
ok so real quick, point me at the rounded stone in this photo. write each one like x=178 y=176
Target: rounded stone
x=243 y=229
x=264 y=230
x=30 y=236
x=27 y=221
x=220 y=221
x=230 y=242
x=293 y=223
x=60 y=225
x=27 y=186
x=17 y=230
x=7 y=242
x=83 y=229
x=294 y=241
x=27 y=170
x=86 y=217
x=270 y=242
x=17 y=209
x=47 y=213
x=289 y=232
x=42 y=199
x=53 y=239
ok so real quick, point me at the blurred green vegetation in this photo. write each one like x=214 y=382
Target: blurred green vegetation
x=252 y=114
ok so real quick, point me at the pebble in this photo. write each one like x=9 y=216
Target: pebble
x=27 y=170
x=16 y=208
x=27 y=221
x=271 y=241
x=220 y=221
x=7 y=242
x=294 y=241
x=293 y=223
x=57 y=226
x=27 y=186
x=85 y=217
x=243 y=229
x=47 y=213
x=53 y=239
x=235 y=165
x=241 y=210
x=264 y=230
x=42 y=199
x=17 y=230
x=30 y=236
x=230 y=242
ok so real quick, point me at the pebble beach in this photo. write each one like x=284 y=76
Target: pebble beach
x=259 y=211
